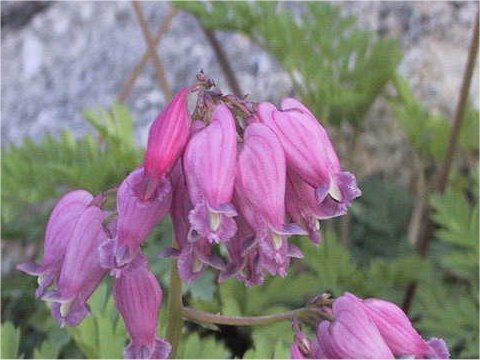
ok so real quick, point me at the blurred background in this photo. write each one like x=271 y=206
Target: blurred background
x=79 y=90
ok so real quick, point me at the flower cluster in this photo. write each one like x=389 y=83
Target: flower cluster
x=366 y=329
x=249 y=182
x=232 y=173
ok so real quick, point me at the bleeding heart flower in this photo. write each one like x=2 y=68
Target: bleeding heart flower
x=59 y=232
x=310 y=154
x=81 y=271
x=260 y=192
x=209 y=165
x=138 y=297
x=137 y=216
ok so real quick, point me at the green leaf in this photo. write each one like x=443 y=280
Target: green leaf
x=34 y=173
x=10 y=341
x=101 y=335
x=459 y=232
x=194 y=347
x=50 y=348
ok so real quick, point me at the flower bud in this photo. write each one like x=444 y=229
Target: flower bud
x=138 y=297
x=352 y=335
x=58 y=234
x=168 y=136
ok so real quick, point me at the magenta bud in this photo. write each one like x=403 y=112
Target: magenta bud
x=168 y=136
x=81 y=271
x=398 y=332
x=352 y=335
x=138 y=297
x=209 y=165
x=137 y=216
x=58 y=234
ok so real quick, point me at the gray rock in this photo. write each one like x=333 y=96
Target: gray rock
x=77 y=55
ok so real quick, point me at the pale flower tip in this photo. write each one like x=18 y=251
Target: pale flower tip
x=29 y=268
x=439 y=349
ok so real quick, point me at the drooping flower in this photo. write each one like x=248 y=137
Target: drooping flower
x=81 y=271
x=136 y=218
x=398 y=332
x=311 y=155
x=138 y=298
x=209 y=165
x=371 y=328
x=352 y=335
x=260 y=185
x=58 y=234
x=192 y=256
x=168 y=136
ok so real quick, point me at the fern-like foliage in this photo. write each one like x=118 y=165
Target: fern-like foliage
x=35 y=172
x=449 y=304
x=427 y=132
x=458 y=232
x=336 y=68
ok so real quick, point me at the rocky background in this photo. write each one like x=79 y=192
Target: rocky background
x=59 y=58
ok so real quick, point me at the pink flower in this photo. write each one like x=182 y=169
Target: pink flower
x=192 y=256
x=398 y=332
x=260 y=190
x=58 y=234
x=311 y=155
x=138 y=297
x=168 y=136
x=81 y=271
x=352 y=335
x=367 y=329
x=137 y=217
x=209 y=165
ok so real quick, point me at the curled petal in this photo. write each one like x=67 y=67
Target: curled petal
x=138 y=297
x=161 y=350
x=215 y=225
x=438 y=349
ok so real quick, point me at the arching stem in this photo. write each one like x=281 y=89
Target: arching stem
x=209 y=318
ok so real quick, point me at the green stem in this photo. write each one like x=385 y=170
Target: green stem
x=175 y=321
x=205 y=317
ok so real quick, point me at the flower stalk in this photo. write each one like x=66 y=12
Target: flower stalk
x=175 y=321
x=209 y=318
